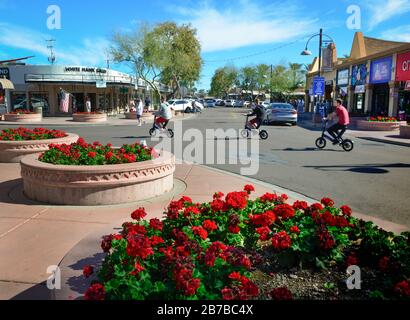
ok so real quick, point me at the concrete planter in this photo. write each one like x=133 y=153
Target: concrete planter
x=30 y=117
x=97 y=185
x=405 y=131
x=14 y=151
x=94 y=117
x=378 y=126
x=133 y=115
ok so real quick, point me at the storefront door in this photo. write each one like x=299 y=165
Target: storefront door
x=358 y=103
x=380 y=105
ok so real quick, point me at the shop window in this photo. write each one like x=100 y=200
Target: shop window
x=39 y=100
x=358 y=103
x=19 y=101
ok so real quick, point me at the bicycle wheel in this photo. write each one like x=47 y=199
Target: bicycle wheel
x=264 y=135
x=170 y=133
x=320 y=143
x=152 y=132
x=347 y=145
x=245 y=133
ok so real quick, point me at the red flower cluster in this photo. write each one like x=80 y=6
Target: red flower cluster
x=95 y=292
x=326 y=240
x=281 y=241
x=403 y=288
x=328 y=219
x=269 y=198
x=282 y=293
x=210 y=225
x=264 y=233
x=242 y=289
x=217 y=249
x=265 y=219
x=88 y=271
x=384 y=264
x=237 y=200
x=300 y=205
x=24 y=134
x=236 y=257
x=201 y=232
x=327 y=202
x=295 y=229
x=139 y=245
x=156 y=224
x=346 y=210
x=156 y=240
x=352 y=259
x=175 y=207
x=21 y=111
x=382 y=119
x=137 y=269
x=139 y=214
x=284 y=211
x=192 y=210
x=249 y=188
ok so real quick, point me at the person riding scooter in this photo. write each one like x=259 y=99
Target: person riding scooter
x=164 y=114
x=338 y=129
x=260 y=113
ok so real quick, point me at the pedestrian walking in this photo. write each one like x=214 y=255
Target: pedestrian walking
x=87 y=104
x=140 y=110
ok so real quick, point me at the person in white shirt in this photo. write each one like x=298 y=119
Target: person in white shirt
x=140 y=110
x=87 y=104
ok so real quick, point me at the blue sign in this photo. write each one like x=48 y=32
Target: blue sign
x=380 y=71
x=319 y=86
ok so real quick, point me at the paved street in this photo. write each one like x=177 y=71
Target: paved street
x=374 y=179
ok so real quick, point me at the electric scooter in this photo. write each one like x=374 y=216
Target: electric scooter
x=158 y=129
x=250 y=130
x=346 y=144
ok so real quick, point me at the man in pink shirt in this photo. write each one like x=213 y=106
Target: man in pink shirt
x=344 y=120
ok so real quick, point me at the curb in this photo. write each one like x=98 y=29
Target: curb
x=397 y=143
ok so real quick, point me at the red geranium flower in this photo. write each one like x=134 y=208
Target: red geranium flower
x=284 y=211
x=218 y=205
x=155 y=240
x=265 y=219
x=234 y=229
x=403 y=288
x=281 y=241
x=191 y=211
x=156 y=224
x=327 y=202
x=139 y=214
x=249 y=188
x=384 y=264
x=210 y=225
x=268 y=197
x=218 y=195
x=263 y=233
x=95 y=292
x=88 y=271
x=300 y=205
x=92 y=154
x=201 y=232
x=138 y=269
x=352 y=259
x=346 y=210
x=237 y=200
x=294 y=229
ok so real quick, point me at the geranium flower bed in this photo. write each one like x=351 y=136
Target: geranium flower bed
x=24 y=134
x=235 y=248
x=83 y=153
x=383 y=119
x=21 y=111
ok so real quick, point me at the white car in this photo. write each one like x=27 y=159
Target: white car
x=210 y=103
x=239 y=104
x=180 y=105
x=229 y=103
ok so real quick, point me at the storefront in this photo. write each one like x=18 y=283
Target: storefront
x=45 y=86
x=6 y=86
x=358 y=83
x=403 y=79
x=342 y=82
x=380 y=76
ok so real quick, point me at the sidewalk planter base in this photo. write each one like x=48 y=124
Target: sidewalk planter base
x=14 y=151
x=97 y=117
x=31 y=117
x=405 y=131
x=378 y=126
x=97 y=185
x=133 y=115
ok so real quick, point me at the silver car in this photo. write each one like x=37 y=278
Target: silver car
x=281 y=113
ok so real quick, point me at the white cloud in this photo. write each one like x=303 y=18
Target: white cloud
x=89 y=52
x=383 y=10
x=245 y=24
x=401 y=34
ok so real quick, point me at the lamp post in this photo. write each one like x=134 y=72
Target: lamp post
x=306 y=52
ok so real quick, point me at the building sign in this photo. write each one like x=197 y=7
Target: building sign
x=360 y=89
x=101 y=83
x=83 y=69
x=380 y=71
x=343 y=77
x=327 y=58
x=359 y=74
x=403 y=67
x=318 y=86
x=5 y=73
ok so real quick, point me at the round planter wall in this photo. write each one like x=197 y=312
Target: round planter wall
x=31 y=117
x=405 y=131
x=96 y=117
x=133 y=115
x=14 y=151
x=97 y=185
x=378 y=126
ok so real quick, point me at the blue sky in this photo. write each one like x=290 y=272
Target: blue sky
x=258 y=31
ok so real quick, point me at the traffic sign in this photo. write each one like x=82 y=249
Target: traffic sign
x=319 y=86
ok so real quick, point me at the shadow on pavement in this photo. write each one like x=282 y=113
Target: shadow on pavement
x=36 y=292
x=307 y=149
x=365 y=168
x=132 y=137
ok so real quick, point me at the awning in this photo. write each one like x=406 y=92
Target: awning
x=6 y=84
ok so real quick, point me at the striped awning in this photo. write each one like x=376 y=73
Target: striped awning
x=6 y=84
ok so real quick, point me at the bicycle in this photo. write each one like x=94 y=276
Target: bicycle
x=157 y=129
x=346 y=144
x=250 y=129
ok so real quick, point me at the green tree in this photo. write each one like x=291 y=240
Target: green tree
x=166 y=52
x=248 y=79
x=223 y=81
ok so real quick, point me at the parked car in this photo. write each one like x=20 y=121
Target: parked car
x=247 y=104
x=238 y=104
x=229 y=103
x=220 y=103
x=281 y=113
x=266 y=104
x=210 y=103
x=180 y=105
